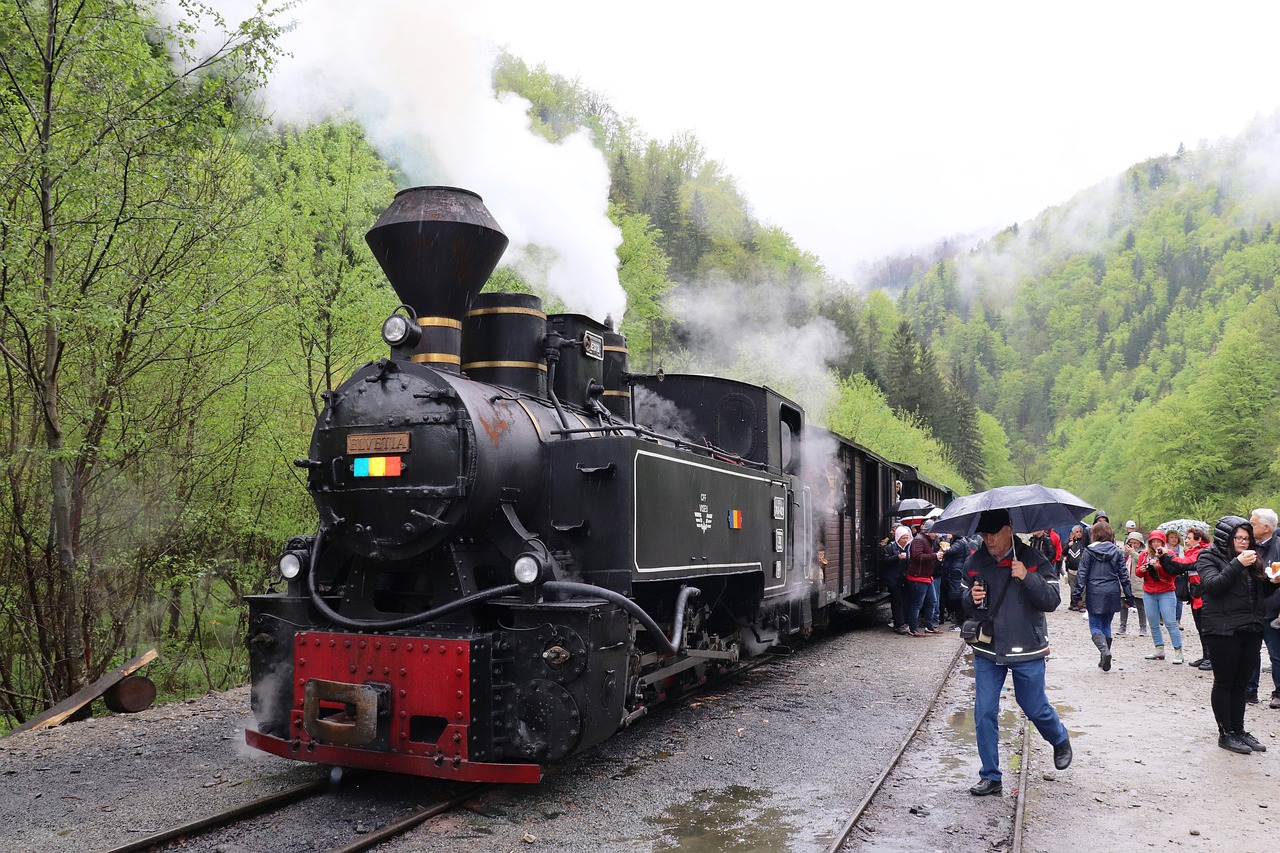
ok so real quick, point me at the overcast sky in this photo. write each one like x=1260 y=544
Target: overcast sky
x=863 y=128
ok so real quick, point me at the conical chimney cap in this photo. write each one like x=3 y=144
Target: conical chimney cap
x=437 y=246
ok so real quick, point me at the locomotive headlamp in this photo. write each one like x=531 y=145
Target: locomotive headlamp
x=527 y=568
x=399 y=331
x=291 y=564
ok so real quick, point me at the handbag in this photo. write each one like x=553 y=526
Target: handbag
x=975 y=630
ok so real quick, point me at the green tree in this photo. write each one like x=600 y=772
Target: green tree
x=323 y=186
x=642 y=270
x=956 y=424
x=122 y=185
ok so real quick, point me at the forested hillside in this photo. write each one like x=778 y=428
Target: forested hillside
x=1126 y=339
x=712 y=289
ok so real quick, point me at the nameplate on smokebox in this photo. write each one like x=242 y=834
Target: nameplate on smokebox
x=378 y=442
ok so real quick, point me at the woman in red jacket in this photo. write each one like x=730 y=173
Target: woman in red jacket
x=1158 y=598
x=1197 y=539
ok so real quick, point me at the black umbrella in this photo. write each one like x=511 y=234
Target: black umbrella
x=1031 y=507
x=911 y=506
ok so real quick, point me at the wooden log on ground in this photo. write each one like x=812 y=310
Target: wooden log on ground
x=58 y=713
x=130 y=695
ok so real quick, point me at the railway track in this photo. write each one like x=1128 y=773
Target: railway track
x=766 y=750
x=282 y=800
x=279 y=802
x=845 y=840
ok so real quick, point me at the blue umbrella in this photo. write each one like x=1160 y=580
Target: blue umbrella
x=1031 y=507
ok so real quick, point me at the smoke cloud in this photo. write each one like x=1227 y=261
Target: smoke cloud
x=763 y=333
x=417 y=75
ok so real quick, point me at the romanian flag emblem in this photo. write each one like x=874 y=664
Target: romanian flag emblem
x=378 y=466
x=735 y=519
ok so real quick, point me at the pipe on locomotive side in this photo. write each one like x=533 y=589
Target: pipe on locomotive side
x=583 y=590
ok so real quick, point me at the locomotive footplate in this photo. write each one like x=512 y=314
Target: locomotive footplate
x=397 y=703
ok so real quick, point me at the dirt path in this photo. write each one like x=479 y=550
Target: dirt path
x=1148 y=772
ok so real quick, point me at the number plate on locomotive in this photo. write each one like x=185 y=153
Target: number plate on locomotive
x=378 y=442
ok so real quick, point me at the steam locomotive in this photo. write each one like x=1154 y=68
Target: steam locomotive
x=512 y=560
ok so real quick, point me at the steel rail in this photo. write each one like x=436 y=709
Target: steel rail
x=1020 y=809
x=268 y=803
x=1020 y=803
x=858 y=811
x=408 y=822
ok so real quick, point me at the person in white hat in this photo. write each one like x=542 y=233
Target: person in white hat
x=893 y=574
x=1134 y=545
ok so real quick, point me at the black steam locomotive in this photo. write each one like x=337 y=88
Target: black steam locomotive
x=512 y=561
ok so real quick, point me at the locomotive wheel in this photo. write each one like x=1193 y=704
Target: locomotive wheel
x=548 y=722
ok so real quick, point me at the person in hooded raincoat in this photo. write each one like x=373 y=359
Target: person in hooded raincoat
x=1234 y=590
x=1102 y=581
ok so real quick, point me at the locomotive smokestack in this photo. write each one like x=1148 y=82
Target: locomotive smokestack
x=437 y=246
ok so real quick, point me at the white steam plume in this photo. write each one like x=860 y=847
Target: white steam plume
x=417 y=75
x=764 y=333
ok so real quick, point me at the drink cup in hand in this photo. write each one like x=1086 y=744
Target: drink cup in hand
x=1248 y=557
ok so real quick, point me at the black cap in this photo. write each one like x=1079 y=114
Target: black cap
x=993 y=521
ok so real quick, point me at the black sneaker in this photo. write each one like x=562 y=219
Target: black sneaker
x=1228 y=740
x=1206 y=665
x=1251 y=742
x=1251 y=698
x=1196 y=663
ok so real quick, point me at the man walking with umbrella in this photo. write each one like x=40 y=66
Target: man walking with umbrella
x=1014 y=586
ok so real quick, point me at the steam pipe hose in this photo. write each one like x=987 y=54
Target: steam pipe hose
x=670 y=646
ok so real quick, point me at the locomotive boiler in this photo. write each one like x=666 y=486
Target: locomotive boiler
x=511 y=561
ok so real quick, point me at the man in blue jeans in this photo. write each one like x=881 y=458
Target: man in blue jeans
x=1012 y=586
x=1263 y=521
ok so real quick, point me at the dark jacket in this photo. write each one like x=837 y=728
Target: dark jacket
x=1268 y=554
x=1233 y=594
x=922 y=561
x=892 y=566
x=1103 y=577
x=1045 y=546
x=1073 y=551
x=953 y=563
x=1020 y=631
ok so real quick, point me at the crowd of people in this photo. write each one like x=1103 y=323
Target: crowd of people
x=925 y=576
x=1227 y=574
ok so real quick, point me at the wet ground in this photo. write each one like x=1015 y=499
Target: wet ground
x=1147 y=771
